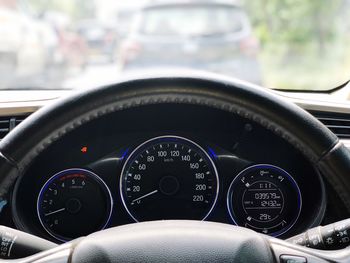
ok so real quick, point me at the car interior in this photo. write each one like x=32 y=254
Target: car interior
x=181 y=156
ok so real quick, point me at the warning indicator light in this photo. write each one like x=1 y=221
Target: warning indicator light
x=84 y=149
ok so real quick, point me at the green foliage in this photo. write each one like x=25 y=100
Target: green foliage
x=76 y=9
x=304 y=43
x=294 y=21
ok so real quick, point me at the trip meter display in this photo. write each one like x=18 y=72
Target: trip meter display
x=169 y=177
x=264 y=198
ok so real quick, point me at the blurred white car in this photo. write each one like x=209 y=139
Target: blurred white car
x=24 y=43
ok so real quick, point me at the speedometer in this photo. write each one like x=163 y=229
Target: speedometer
x=169 y=177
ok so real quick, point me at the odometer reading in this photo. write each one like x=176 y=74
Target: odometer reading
x=264 y=198
x=169 y=177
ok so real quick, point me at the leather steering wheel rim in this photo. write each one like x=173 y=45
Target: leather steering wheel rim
x=318 y=144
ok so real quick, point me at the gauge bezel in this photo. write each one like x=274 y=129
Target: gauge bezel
x=176 y=137
x=61 y=173
x=290 y=178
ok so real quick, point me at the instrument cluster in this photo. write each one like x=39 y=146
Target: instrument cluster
x=236 y=173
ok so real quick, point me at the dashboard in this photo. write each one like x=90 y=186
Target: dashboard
x=164 y=161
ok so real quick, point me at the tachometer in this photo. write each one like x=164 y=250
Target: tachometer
x=169 y=177
x=73 y=203
x=264 y=198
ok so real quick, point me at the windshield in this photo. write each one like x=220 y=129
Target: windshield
x=204 y=20
x=71 y=44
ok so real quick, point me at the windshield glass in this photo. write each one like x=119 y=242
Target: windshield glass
x=204 y=20
x=71 y=44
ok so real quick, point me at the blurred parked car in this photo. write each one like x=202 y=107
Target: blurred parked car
x=73 y=48
x=100 y=39
x=71 y=51
x=204 y=35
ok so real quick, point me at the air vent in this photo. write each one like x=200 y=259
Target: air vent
x=338 y=123
x=8 y=123
x=4 y=126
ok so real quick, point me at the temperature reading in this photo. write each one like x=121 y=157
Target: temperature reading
x=265 y=217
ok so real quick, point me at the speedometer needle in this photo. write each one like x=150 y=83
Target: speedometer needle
x=56 y=211
x=141 y=197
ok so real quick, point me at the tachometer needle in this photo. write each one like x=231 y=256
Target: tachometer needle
x=141 y=197
x=56 y=211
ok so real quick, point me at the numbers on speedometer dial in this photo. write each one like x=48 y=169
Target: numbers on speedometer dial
x=264 y=198
x=169 y=177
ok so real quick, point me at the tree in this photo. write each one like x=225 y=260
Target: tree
x=77 y=9
x=295 y=21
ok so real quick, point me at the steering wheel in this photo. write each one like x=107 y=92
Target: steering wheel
x=179 y=241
